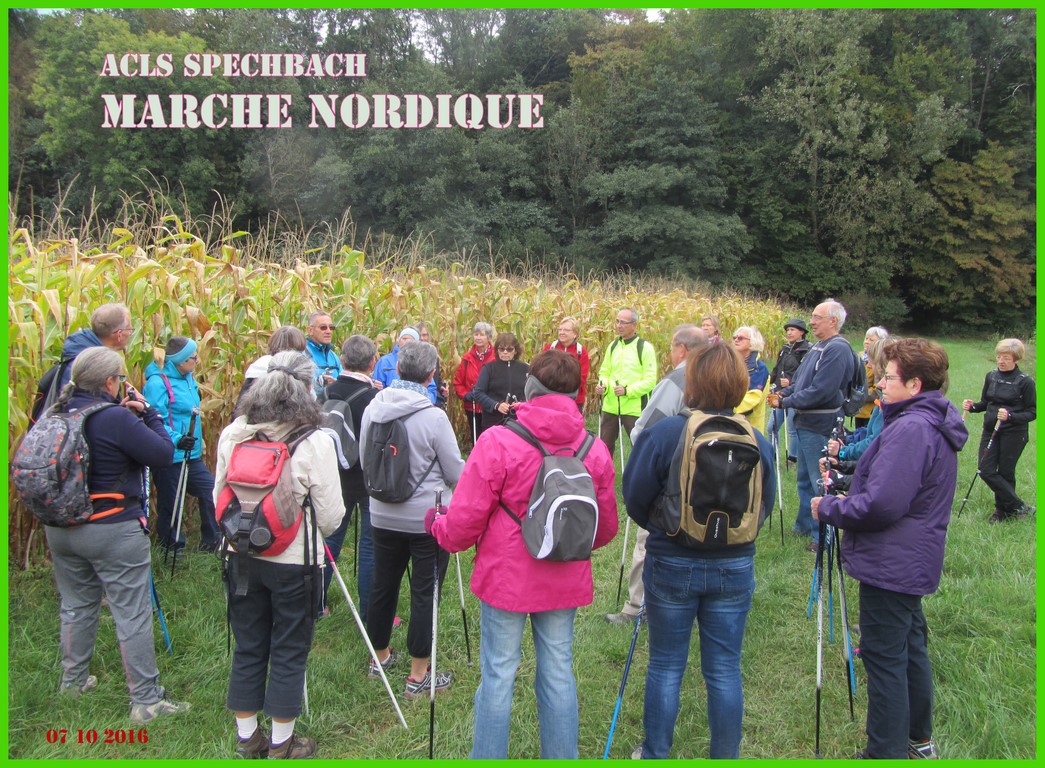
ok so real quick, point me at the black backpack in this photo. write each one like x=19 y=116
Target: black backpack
x=335 y=419
x=563 y=512
x=51 y=466
x=386 y=461
x=713 y=496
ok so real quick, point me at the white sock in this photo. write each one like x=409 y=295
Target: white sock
x=282 y=731
x=247 y=725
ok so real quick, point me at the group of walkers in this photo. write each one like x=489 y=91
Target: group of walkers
x=693 y=558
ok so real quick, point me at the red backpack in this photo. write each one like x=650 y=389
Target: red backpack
x=256 y=509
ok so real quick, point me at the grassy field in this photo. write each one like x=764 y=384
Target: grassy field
x=982 y=643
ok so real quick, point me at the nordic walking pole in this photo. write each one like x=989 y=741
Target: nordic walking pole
x=627 y=519
x=819 y=631
x=624 y=681
x=305 y=692
x=159 y=612
x=355 y=544
x=830 y=553
x=366 y=637
x=464 y=614
x=185 y=482
x=475 y=437
x=779 y=485
x=435 y=624
x=849 y=671
x=179 y=493
x=997 y=424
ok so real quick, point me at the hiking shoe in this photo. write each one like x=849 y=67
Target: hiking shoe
x=386 y=665
x=72 y=691
x=254 y=748
x=143 y=713
x=636 y=754
x=418 y=688
x=621 y=619
x=812 y=546
x=1023 y=511
x=997 y=517
x=294 y=748
x=922 y=750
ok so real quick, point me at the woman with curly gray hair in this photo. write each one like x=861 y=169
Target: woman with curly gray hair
x=273 y=620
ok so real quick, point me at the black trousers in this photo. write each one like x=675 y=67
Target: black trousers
x=894 y=649
x=392 y=552
x=998 y=466
x=273 y=626
x=609 y=429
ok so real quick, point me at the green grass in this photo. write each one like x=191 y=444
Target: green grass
x=982 y=644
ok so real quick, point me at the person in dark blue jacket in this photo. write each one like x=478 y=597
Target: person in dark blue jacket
x=712 y=586
x=173 y=391
x=895 y=521
x=109 y=555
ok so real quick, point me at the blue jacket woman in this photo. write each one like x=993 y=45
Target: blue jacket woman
x=712 y=586
x=895 y=521
x=173 y=392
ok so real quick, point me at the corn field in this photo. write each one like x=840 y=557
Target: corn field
x=178 y=278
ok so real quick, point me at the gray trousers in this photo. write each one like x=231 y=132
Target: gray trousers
x=114 y=560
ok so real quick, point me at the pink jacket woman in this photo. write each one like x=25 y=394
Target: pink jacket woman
x=502 y=470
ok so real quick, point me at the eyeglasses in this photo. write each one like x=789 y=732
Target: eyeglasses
x=818 y=317
x=126 y=330
x=506 y=349
x=326 y=327
x=741 y=338
x=625 y=322
x=195 y=357
x=892 y=377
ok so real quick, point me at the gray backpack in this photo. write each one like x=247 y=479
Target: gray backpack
x=50 y=468
x=563 y=513
x=335 y=419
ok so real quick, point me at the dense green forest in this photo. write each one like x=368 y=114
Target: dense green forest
x=886 y=157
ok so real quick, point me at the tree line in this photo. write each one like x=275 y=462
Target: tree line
x=884 y=157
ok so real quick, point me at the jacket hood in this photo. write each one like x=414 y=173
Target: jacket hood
x=240 y=430
x=551 y=418
x=392 y=402
x=79 y=341
x=935 y=409
x=169 y=370
x=258 y=368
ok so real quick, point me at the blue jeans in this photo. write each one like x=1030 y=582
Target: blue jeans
x=364 y=555
x=717 y=593
x=810 y=450
x=500 y=649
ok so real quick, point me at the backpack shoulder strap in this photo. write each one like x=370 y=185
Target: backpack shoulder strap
x=589 y=441
x=296 y=438
x=514 y=426
x=641 y=345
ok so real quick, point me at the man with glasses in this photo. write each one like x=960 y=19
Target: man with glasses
x=626 y=377
x=320 y=333
x=665 y=400
x=110 y=327
x=817 y=393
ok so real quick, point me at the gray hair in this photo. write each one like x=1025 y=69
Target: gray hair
x=689 y=335
x=286 y=337
x=757 y=342
x=634 y=314
x=417 y=361
x=313 y=316
x=877 y=332
x=90 y=371
x=486 y=328
x=835 y=310
x=284 y=394
x=357 y=353
x=108 y=319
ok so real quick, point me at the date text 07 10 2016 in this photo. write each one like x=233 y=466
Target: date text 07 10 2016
x=90 y=736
